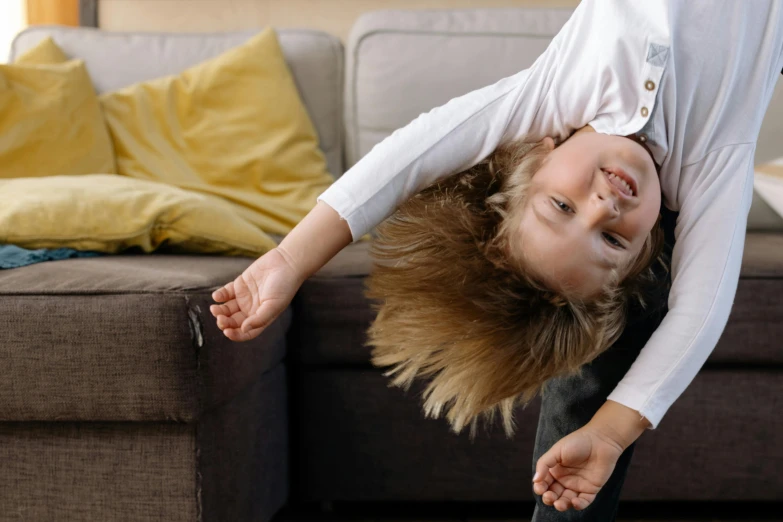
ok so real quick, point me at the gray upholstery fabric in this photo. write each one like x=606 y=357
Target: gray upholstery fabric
x=763 y=256
x=720 y=441
x=231 y=465
x=116 y=59
x=331 y=311
x=123 y=274
x=332 y=314
x=384 y=448
x=74 y=472
x=123 y=338
x=390 y=81
x=243 y=453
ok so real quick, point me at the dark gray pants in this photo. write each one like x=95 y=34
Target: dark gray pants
x=570 y=402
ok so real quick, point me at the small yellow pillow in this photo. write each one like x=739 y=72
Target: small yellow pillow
x=110 y=213
x=46 y=52
x=50 y=119
x=233 y=126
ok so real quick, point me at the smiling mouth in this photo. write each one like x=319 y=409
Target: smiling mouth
x=620 y=180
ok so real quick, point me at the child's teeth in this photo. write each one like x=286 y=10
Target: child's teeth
x=625 y=184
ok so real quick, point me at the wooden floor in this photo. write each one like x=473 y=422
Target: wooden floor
x=455 y=512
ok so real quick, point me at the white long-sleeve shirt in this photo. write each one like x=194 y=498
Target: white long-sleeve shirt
x=693 y=78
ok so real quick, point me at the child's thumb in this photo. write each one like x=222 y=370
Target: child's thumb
x=548 y=460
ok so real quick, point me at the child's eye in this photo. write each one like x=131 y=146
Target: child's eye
x=612 y=240
x=561 y=206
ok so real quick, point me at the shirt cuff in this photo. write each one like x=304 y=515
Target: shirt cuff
x=343 y=204
x=632 y=398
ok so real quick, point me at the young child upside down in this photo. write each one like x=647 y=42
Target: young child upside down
x=471 y=279
x=523 y=260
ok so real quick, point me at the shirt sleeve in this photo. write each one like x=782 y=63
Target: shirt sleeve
x=441 y=142
x=709 y=241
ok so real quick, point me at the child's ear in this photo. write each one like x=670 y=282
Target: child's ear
x=549 y=143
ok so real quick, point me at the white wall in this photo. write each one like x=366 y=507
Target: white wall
x=12 y=20
x=333 y=16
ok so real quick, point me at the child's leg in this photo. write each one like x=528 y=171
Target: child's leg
x=570 y=402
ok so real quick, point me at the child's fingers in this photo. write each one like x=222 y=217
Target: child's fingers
x=553 y=494
x=582 y=501
x=235 y=334
x=565 y=501
x=542 y=484
x=559 y=497
x=228 y=309
x=234 y=321
x=548 y=460
x=558 y=489
x=224 y=322
x=562 y=504
x=262 y=317
x=224 y=294
x=543 y=477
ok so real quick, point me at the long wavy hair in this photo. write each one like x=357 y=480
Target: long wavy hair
x=455 y=309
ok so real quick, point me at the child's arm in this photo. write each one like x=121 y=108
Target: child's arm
x=715 y=197
x=263 y=291
x=441 y=142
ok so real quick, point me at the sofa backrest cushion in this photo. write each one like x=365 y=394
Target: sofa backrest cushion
x=400 y=64
x=115 y=60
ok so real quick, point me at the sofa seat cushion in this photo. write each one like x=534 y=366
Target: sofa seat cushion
x=123 y=338
x=332 y=314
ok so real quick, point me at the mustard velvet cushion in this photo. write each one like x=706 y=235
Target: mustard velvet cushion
x=233 y=127
x=110 y=213
x=45 y=52
x=210 y=160
x=51 y=122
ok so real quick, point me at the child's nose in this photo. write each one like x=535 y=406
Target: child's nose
x=606 y=204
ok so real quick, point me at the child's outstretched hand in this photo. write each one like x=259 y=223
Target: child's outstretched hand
x=254 y=299
x=574 y=470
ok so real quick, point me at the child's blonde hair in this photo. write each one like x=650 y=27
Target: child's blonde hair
x=453 y=305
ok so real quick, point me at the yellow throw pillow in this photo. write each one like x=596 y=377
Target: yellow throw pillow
x=233 y=126
x=51 y=122
x=110 y=213
x=46 y=52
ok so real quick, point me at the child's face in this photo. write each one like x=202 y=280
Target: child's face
x=580 y=221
